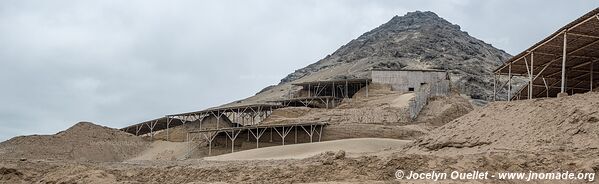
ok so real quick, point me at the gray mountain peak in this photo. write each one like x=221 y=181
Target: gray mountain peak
x=417 y=40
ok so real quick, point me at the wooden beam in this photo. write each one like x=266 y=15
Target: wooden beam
x=555 y=87
x=574 y=56
x=583 y=35
x=570 y=71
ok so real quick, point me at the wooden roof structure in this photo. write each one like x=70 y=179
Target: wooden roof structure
x=259 y=126
x=310 y=101
x=338 y=81
x=411 y=70
x=151 y=126
x=563 y=62
x=311 y=129
x=169 y=121
x=340 y=88
x=241 y=108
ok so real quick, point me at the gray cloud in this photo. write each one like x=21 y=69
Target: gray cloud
x=120 y=62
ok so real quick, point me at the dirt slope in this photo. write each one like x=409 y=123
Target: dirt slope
x=82 y=142
x=164 y=150
x=555 y=124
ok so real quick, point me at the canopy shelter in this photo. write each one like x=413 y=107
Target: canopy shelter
x=243 y=115
x=343 y=88
x=311 y=129
x=312 y=102
x=151 y=126
x=564 y=63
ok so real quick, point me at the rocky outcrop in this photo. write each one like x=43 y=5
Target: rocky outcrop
x=417 y=40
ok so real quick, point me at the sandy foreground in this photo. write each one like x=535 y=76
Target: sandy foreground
x=324 y=168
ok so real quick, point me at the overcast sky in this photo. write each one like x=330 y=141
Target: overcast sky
x=118 y=62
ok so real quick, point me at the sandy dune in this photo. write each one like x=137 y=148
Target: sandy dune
x=299 y=151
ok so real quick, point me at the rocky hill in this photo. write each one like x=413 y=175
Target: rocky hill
x=417 y=40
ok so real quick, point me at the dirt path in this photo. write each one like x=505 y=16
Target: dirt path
x=300 y=151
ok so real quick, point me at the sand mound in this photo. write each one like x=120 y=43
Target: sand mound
x=300 y=151
x=569 y=123
x=83 y=142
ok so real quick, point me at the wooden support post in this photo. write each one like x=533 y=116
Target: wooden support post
x=565 y=46
x=366 y=88
x=509 y=87
x=310 y=133
x=188 y=144
x=281 y=135
x=151 y=132
x=217 y=120
x=209 y=148
x=137 y=129
x=168 y=122
x=320 y=133
x=529 y=77
x=151 y=126
x=254 y=135
x=494 y=86
x=284 y=133
x=201 y=119
x=546 y=87
x=295 y=134
x=312 y=128
x=531 y=85
x=210 y=139
x=346 y=91
x=257 y=135
x=270 y=134
x=333 y=89
x=232 y=137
